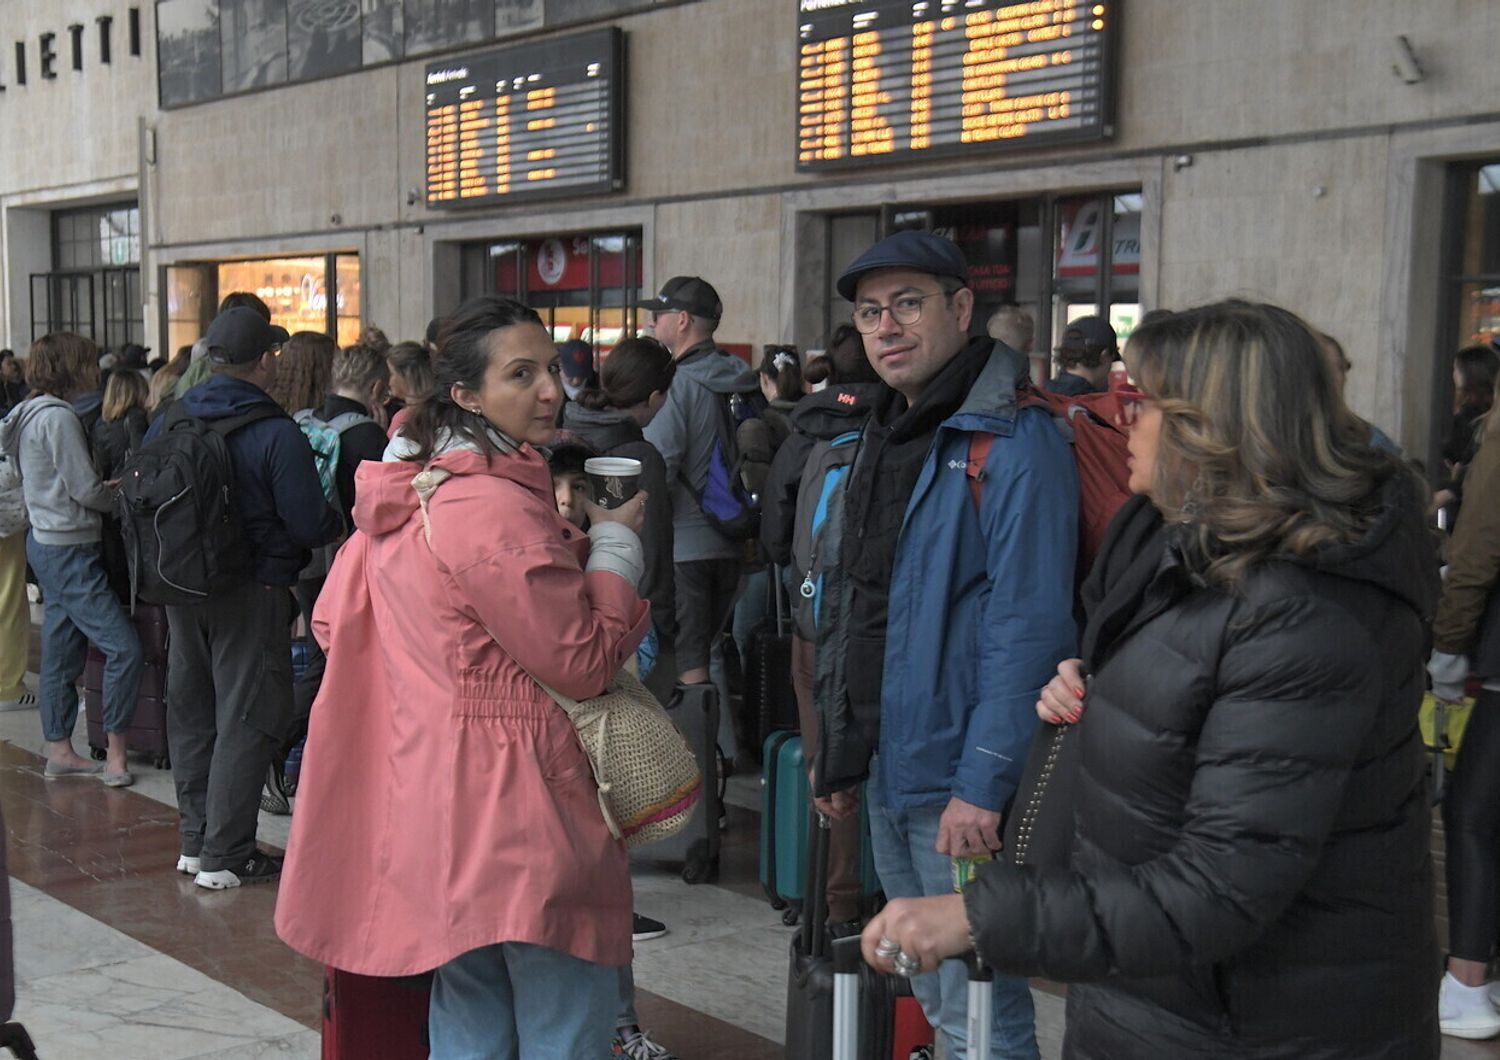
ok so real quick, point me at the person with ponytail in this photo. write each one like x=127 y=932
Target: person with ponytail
x=610 y=417
x=444 y=790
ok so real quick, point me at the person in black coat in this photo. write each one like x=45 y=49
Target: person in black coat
x=1248 y=872
x=119 y=431
x=609 y=418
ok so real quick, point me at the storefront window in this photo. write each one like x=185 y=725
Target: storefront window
x=297 y=291
x=1098 y=261
x=584 y=286
x=1478 y=273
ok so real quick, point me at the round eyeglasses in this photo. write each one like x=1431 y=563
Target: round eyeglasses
x=905 y=310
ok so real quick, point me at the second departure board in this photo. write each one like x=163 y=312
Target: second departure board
x=543 y=118
x=888 y=80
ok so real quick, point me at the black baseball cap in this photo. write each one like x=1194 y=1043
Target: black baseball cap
x=240 y=335
x=691 y=294
x=921 y=251
x=1088 y=333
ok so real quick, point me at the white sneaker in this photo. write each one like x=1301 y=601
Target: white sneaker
x=1465 y=1011
x=25 y=701
x=188 y=864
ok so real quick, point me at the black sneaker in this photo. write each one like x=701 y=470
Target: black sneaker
x=276 y=798
x=259 y=867
x=645 y=928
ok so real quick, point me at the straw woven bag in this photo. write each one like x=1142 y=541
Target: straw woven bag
x=647 y=775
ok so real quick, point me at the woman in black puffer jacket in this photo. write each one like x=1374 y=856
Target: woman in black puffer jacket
x=1249 y=873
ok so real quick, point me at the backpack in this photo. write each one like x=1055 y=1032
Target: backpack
x=818 y=526
x=326 y=439
x=182 y=533
x=729 y=508
x=1095 y=426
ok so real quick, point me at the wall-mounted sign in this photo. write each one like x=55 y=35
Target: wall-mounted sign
x=892 y=80
x=545 y=118
x=67 y=47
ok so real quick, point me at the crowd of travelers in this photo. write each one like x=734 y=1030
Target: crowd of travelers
x=1230 y=676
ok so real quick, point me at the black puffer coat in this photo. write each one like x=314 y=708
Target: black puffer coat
x=1250 y=871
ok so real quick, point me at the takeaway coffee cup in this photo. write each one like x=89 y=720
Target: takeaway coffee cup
x=613 y=479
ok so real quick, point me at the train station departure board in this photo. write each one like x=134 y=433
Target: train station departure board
x=889 y=80
x=543 y=118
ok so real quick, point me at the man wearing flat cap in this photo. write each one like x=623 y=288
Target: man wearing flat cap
x=684 y=316
x=959 y=542
x=229 y=660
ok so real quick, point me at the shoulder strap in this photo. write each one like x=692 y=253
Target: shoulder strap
x=346 y=421
x=980 y=443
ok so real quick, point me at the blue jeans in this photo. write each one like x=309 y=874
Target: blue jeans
x=78 y=607
x=516 y=1001
x=909 y=866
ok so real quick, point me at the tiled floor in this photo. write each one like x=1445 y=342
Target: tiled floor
x=119 y=956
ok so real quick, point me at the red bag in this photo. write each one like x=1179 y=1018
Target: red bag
x=1097 y=427
x=365 y=1016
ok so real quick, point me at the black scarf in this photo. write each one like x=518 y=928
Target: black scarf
x=1114 y=593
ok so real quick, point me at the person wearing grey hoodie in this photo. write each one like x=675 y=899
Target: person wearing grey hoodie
x=64 y=498
x=684 y=317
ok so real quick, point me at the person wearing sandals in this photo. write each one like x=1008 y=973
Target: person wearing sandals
x=468 y=840
x=1249 y=872
x=65 y=499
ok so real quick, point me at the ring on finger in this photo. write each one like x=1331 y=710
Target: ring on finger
x=886 y=948
x=905 y=965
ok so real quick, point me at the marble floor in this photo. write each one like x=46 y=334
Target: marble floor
x=119 y=956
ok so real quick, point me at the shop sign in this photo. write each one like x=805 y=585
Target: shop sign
x=42 y=53
x=1081 y=229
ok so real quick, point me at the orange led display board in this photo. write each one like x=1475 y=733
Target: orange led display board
x=882 y=81
x=543 y=118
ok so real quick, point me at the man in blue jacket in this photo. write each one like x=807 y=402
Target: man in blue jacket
x=964 y=588
x=229 y=665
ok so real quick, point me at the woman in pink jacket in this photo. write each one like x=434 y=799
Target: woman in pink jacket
x=447 y=817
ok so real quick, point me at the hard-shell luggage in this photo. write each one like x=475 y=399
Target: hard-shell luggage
x=809 y=986
x=365 y=1016
x=769 y=696
x=694 y=709
x=785 y=808
x=148 y=726
x=848 y=1002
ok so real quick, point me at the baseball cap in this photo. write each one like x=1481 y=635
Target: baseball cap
x=576 y=358
x=921 y=251
x=1088 y=333
x=691 y=294
x=240 y=335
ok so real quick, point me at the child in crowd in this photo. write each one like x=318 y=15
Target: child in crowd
x=570 y=485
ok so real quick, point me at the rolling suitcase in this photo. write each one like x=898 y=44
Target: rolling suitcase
x=785 y=805
x=809 y=986
x=364 y=1016
x=148 y=726
x=769 y=695
x=850 y=972
x=694 y=709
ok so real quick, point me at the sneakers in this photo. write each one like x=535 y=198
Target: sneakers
x=190 y=864
x=645 y=928
x=635 y=1044
x=276 y=798
x=257 y=868
x=25 y=701
x=1465 y=1011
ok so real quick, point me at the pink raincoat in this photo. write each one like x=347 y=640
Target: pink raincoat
x=445 y=802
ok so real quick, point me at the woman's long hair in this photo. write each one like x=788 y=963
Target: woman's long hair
x=412 y=362
x=1258 y=453
x=125 y=390
x=1479 y=369
x=783 y=366
x=461 y=360
x=633 y=371
x=303 y=371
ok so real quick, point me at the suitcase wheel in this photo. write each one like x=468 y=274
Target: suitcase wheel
x=791 y=916
x=162 y=761
x=97 y=754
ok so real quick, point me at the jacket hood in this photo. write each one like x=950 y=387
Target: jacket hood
x=16 y=420
x=1397 y=554
x=721 y=372
x=385 y=499
x=222 y=396
x=603 y=429
x=836 y=409
x=84 y=404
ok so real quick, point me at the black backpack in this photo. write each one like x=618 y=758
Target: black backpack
x=183 y=541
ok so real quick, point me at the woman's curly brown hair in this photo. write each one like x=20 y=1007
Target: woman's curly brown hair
x=1258 y=454
x=303 y=371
